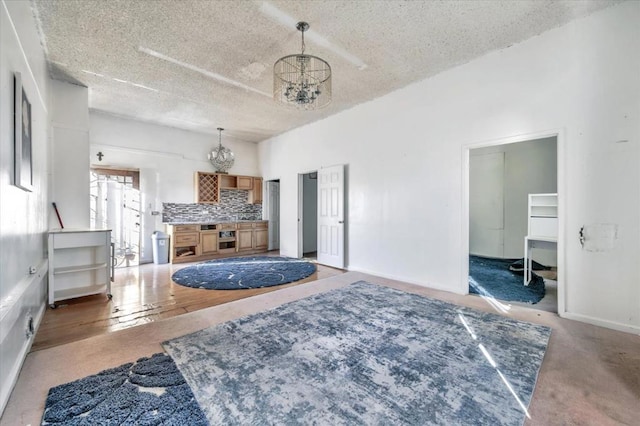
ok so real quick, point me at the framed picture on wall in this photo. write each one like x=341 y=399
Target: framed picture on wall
x=23 y=177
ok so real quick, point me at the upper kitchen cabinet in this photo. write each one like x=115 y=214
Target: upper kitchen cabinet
x=236 y=182
x=207 y=187
x=245 y=182
x=228 y=181
x=255 y=195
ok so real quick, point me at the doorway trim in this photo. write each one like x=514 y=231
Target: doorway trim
x=559 y=134
x=120 y=258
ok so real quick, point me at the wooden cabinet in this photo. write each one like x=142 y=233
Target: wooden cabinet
x=245 y=239
x=228 y=181
x=79 y=263
x=185 y=239
x=207 y=187
x=186 y=228
x=190 y=243
x=245 y=182
x=208 y=242
x=185 y=243
x=253 y=236
x=261 y=239
x=227 y=241
x=236 y=182
x=255 y=195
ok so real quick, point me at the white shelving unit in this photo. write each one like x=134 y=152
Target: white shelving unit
x=543 y=215
x=542 y=227
x=79 y=263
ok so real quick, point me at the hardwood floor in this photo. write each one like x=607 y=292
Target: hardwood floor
x=141 y=294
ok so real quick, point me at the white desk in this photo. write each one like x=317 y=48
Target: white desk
x=535 y=242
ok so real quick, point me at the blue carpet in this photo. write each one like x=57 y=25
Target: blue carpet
x=150 y=391
x=492 y=278
x=244 y=272
x=364 y=354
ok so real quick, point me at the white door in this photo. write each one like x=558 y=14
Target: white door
x=331 y=216
x=273 y=195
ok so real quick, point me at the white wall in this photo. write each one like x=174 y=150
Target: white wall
x=309 y=214
x=529 y=167
x=167 y=159
x=70 y=149
x=405 y=156
x=23 y=215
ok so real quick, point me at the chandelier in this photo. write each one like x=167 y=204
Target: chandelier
x=300 y=80
x=222 y=158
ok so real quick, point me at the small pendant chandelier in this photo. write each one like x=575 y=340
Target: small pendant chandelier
x=222 y=158
x=300 y=80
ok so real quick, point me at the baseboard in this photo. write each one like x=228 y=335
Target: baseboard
x=16 y=311
x=12 y=377
x=627 y=328
x=404 y=279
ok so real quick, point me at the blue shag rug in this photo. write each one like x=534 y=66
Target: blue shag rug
x=364 y=354
x=244 y=272
x=492 y=278
x=150 y=391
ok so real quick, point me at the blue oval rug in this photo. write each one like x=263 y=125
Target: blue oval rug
x=236 y=273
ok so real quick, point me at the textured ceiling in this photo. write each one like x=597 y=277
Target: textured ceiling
x=199 y=65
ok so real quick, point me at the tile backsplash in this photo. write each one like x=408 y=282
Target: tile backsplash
x=233 y=205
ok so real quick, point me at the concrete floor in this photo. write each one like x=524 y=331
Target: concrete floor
x=590 y=375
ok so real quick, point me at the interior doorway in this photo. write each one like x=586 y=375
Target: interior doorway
x=308 y=215
x=272 y=210
x=115 y=204
x=328 y=186
x=500 y=179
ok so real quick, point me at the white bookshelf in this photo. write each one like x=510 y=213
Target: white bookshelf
x=79 y=263
x=542 y=232
x=543 y=216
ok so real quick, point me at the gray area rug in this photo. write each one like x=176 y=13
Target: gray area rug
x=364 y=354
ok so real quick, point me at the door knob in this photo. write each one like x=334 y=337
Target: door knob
x=341 y=221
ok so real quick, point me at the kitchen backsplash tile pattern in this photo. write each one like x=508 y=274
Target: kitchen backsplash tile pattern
x=234 y=205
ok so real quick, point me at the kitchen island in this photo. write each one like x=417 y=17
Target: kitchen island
x=203 y=241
